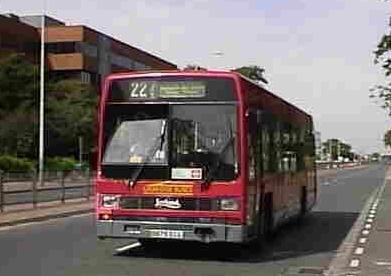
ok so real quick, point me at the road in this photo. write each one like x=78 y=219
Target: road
x=69 y=247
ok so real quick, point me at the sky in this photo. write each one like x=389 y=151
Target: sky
x=317 y=54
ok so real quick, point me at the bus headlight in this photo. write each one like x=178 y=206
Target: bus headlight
x=229 y=204
x=109 y=201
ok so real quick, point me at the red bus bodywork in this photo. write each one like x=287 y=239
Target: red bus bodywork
x=266 y=199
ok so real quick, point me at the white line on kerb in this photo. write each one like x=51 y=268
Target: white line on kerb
x=372 y=211
x=371 y=216
x=354 y=263
x=359 y=251
x=370 y=220
x=365 y=232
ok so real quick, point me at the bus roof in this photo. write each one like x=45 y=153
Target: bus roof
x=208 y=73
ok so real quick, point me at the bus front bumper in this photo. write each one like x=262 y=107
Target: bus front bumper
x=203 y=232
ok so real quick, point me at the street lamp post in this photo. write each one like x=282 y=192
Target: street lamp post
x=41 y=102
x=218 y=54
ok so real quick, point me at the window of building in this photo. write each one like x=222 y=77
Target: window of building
x=122 y=61
x=85 y=77
x=61 y=48
x=87 y=49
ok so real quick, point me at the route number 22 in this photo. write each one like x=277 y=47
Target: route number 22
x=138 y=90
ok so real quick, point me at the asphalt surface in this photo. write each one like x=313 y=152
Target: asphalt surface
x=69 y=246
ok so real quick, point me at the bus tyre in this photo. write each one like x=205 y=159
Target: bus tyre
x=267 y=216
x=303 y=203
x=147 y=243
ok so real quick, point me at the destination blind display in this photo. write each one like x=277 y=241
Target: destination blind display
x=172 y=89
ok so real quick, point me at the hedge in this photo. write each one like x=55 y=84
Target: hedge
x=10 y=163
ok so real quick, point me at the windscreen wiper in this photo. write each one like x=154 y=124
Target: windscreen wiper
x=158 y=145
x=212 y=172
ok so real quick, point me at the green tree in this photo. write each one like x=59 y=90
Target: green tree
x=387 y=138
x=69 y=112
x=71 y=108
x=383 y=58
x=194 y=67
x=18 y=99
x=253 y=72
x=18 y=84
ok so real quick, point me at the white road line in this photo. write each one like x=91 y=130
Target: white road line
x=365 y=232
x=127 y=247
x=368 y=226
x=354 y=263
x=369 y=220
x=380 y=263
x=340 y=261
x=338 y=265
x=362 y=240
x=359 y=251
x=372 y=212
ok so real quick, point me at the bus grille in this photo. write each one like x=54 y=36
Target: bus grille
x=190 y=204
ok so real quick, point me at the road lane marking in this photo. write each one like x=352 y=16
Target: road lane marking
x=365 y=232
x=127 y=247
x=359 y=250
x=368 y=226
x=362 y=240
x=339 y=263
x=371 y=216
x=354 y=263
x=370 y=220
x=381 y=263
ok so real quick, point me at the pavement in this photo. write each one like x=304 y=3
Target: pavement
x=20 y=215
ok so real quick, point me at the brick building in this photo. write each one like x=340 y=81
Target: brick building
x=74 y=51
x=15 y=36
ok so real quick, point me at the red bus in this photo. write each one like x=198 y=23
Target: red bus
x=205 y=156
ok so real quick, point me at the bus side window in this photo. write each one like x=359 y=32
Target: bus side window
x=285 y=141
x=265 y=149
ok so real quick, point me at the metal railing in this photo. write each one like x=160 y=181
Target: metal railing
x=23 y=188
x=325 y=165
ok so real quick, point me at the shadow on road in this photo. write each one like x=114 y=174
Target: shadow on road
x=319 y=232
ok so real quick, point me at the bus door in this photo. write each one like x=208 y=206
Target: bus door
x=253 y=175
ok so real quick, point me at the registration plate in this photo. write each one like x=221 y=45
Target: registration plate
x=166 y=234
